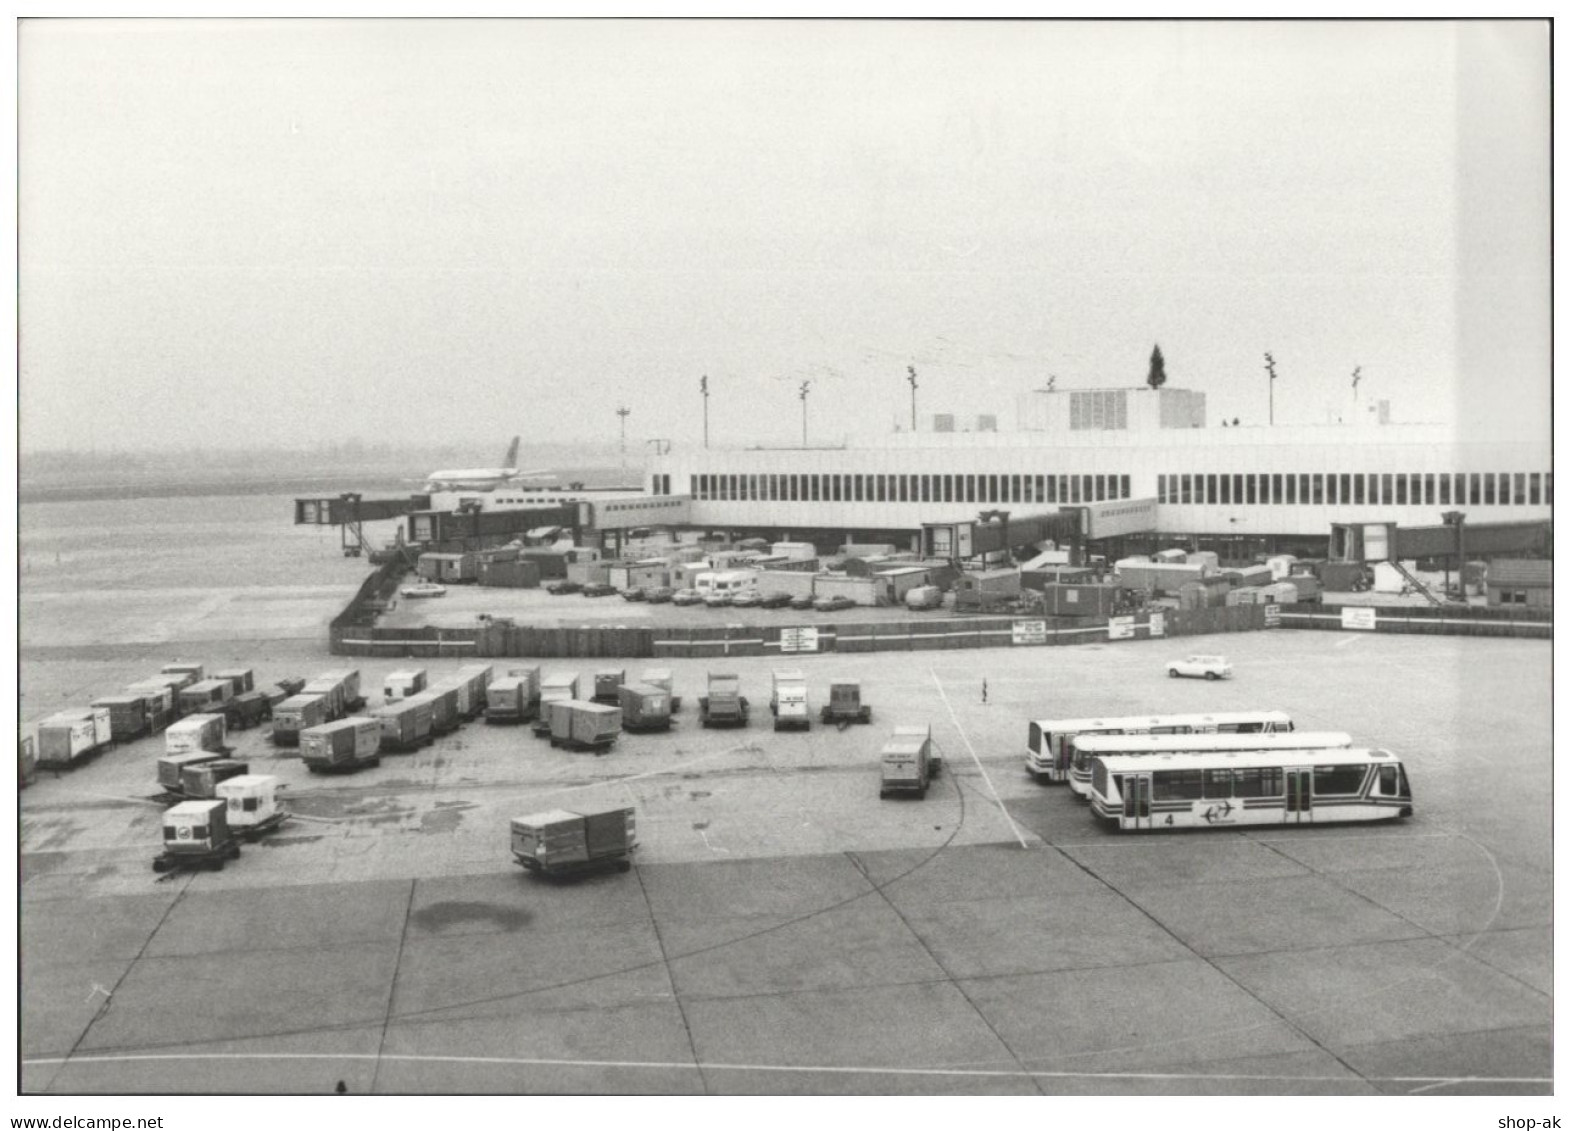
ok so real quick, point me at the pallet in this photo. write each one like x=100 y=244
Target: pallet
x=214 y=859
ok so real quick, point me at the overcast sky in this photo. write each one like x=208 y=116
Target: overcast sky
x=294 y=232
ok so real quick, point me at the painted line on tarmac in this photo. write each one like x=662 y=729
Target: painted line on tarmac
x=1349 y=640
x=803 y=1069
x=997 y=799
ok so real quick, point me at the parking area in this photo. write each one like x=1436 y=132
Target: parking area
x=784 y=930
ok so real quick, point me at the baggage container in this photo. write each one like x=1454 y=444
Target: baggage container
x=444 y=708
x=243 y=679
x=247 y=710
x=845 y=704
x=196 y=732
x=607 y=683
x=348 y=680
x=200 y=779
x=478 y=679
x=725 y=705
x=788 y=701
x=172 y=767
x=331 y=692
x=563 y=842
x=402 y=684
x=906 y=763
x=205 y=696
x=507 y=700
x=342 y=746
x=197 y=835
x=130 y=714
x=295 y=714
x=462 y=689
x=251 y=804
x=644 y=707
x=405 y=723
x=577 y=725
x=661 y=677
x=187 y=674
x=555 y=687
x=69 y=736
x=160 y=698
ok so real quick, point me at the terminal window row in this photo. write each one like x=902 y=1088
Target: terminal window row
x=910 y=488
x=1387 y=489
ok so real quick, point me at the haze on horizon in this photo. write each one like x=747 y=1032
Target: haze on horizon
x=291 y=233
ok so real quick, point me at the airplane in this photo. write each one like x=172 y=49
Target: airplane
x=483 y=478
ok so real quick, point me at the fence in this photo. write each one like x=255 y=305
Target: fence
x=1532 y=624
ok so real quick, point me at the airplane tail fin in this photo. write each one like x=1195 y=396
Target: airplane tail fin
x=511 y=458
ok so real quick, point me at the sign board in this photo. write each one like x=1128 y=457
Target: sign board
x=1358 y=618
x=1119 y=516
x=1158 y=625
x=1121 y=628
x=799 y=639
x=1029 y=631
x=1273 y=616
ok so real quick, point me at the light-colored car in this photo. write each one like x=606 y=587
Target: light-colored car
x=687 y=597
x=429 y=589
x=747 y=599
x=1201 y=667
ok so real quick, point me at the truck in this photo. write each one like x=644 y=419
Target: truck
x=342 y=746
x=644 y=707
x=661 y=677
x=403 y=683
x=205 y=696
x=845 y=703
x=907 y=763
x=580 y=725
x=130 y=714
x=562 y=842
x=405 y=723
x=246 y=710
x=251 y=804
x=69 y=736
x=788 y=701
x=725 y=705
x=196 y=732
x=555 y=687
x=199 y=780
x=608 y=682
x=507 y=700
x=296 y=714
x=197 y=835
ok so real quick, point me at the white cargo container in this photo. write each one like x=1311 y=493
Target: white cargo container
x=555 y=687
x=251 y=803
x=347 y=744
x=68 y=736
x=788 y=701
x=402 y=684
x=197 y=732
x=560 y=841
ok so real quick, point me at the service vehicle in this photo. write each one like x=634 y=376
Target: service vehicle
x=342 y=747
x=1227 y=789
x=171 y=767
x=423 y=589
x=405 y=723
x=197 y=835
x=687 y=597
x=1088 y=746
x=199 y=780
x=788 y=701
x=845 y=703
x=1048 y=741
x=907 y=764
x=294 y=715
x=608 y=681
x=1201 y=666
x=561 y=842
x=404 y=683
x=804 y=602
x=196 y=732
x=555 y=687
x=644 y=707
x=251 y=804
x=580 y=725
x=774 y=601
x=246 y=710
x=747 y=599
x=725 y=705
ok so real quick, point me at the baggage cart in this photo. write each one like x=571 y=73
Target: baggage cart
x=406 y=724
x=561 y=842
x=507 y=700
x=160 y=698
x=725 y=705
x=788 y=700
x=402 y=684
x=206 y=696
x=252 y=807
x=444 y=708
x=644 y=707
x=200 y=780
x=171 y=768
x=197 y=835
x=295 y=714
x=577 y=725
x=845 y=704
x=68 y=737
x=198 y=732
x=608 y=682
x=130 y=714
x=906 y=763
x=241 y=679
x=246 y=710
x=343 y=746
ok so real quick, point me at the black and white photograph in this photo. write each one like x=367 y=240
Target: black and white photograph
x=591 y=558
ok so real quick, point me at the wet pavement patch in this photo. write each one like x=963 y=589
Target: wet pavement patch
x=452 y=913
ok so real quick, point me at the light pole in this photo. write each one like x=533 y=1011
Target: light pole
x=703 y=387
x=623 y=411
x=911 y=377
x=803 y=396
x=1271 y=369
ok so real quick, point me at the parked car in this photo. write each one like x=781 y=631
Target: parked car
x=659 y=595
x=598 y=589
x=425 y=589
x=717 y=600
x=557 y=588
x=747 y=599
x=636 y=593
x=833 y=604
x=805 y=601
x=686 y=597
x=1201 y=667
x=775 y=601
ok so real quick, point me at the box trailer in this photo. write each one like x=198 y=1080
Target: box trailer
x=348 y=679
x=463 y=692
x=906 y=764
x=246 y=710
x=196 y=732
x=608 y=682
x=845 y=703
x=172 y=767
x=661 y=677
x=331 y=692
x=251 y=804
x=187 y=674
x=479 y=677
x=243 y=679
x=197 y=835
x=160 y=696
x=343 y=746
x=507 y=700
x=444 y=708
x=69 y=736
x=130 y=714
x=725 y=705
x=579 y=725
x=644 y=707
x=563 y=842
x=405 y=723
x=788 y=700
x=555 y=687
x=404 y=683
x=295 y=714
x=199 y=780
x=205 y=696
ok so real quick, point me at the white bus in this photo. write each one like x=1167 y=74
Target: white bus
x=1084 y=747
x=1261 y=787
x=1048 y=740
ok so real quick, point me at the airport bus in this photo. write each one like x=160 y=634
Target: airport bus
x=1048 y=740
x=1259 y=787
x=1084 y=747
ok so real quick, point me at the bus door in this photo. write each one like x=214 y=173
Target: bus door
x=1060 y=745
x=1298 y=797
x=1137 y=801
